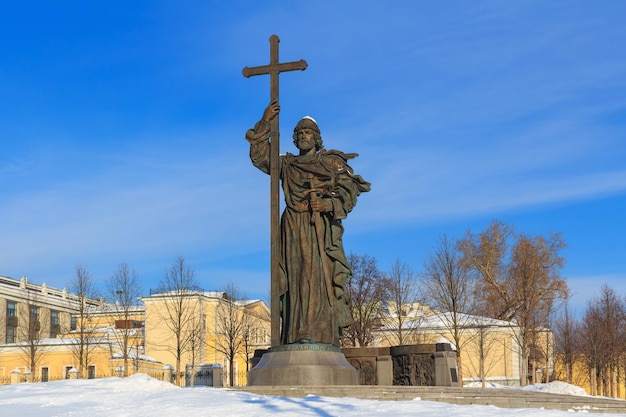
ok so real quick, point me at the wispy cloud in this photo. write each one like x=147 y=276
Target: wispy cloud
x=192 y=201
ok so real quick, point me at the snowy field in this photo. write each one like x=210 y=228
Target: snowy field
x=142 y=396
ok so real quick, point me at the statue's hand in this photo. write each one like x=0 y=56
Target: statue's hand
x=271 y=111
x=321 y=205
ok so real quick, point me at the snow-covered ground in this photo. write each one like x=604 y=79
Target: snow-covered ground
x=142 y=396
x=555 y=387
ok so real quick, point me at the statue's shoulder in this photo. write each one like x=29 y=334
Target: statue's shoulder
x=334 y=154
x=336 y=161
x=287 y=156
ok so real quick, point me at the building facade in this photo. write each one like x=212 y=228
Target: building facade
x=34 y=311
x=45 y=335
x=199 y=327
x=489 y=349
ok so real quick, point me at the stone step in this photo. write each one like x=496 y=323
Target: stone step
x=504 y=398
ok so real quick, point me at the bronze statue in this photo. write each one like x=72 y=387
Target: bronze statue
x=320 y=189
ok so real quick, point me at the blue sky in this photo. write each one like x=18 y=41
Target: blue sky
x=122 y=129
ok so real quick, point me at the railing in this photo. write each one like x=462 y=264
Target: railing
x=191 y=289
x=52 y=292
x=116 y=371
x=6 y=380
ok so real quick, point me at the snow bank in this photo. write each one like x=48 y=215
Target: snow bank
x=141 y=382
x=555 y=387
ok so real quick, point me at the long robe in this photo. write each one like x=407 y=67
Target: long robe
x=313 y=264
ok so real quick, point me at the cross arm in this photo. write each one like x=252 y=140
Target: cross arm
x=267 y=69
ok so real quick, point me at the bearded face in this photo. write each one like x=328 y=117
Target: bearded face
x=304 y=125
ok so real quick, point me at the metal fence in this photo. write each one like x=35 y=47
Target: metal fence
x=204 y=377
x=6 y=380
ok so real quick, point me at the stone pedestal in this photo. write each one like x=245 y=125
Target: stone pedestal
x=445 y=368
x=303 y=365
x=384 y=370
x=372 y=363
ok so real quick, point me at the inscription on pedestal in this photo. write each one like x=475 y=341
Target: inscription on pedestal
x=306 y=347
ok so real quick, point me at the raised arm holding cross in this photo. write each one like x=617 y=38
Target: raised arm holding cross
x=308 y=264
x=273 y=69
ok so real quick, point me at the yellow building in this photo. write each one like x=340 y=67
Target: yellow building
x=41 y=342
x=43 y=334
x=33 y=316
x=31 y=310
x=58 y=361
x=189 y=328
x=488 y=347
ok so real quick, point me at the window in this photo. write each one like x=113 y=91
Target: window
x=54 y=317
x=91 y=372
x=45 y=374
x=11 y=309
x=34 y=313
x=67 y=372
x=34 y=326
x=11 y=321
x=73 y=323
x=128 y=324
x=10 y=334
x=55 y=326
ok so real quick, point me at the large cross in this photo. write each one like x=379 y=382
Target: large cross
x=273 y=69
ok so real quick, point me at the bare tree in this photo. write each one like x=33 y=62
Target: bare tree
x=403 y=296
x=486 y=254
x=124 y=290
x=518 y=282
x=232 y=327
x=367 y=290
x=614 y=309
x=603 y=339
x=449 y=290
x=177 y=287
x=592 y=343
x=33 y=334
x=536 y=286
x=82 y=341
x=195 y=344
x=248 y=350
x=565 y=329
x=485 y=347
x=255 y=334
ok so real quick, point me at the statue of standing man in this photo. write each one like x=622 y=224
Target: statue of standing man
x=320 y=190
